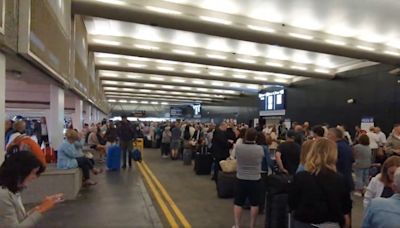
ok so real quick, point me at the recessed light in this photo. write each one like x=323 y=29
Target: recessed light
x=274 y=64
x=154 y=102
x=147 y=47
x=239 y=76
x=144 y=102
x=133 y=102
x=108 y=62
x=216 y=56
x=137 y=65
x=365 y=48
x=298 y=68
x=150 y=85
x=108 y=42
x=178 y=80
x=111 y=88
x=198 y=82
x=167 y=86
x=301 y=36
x=166 y=61
x=161 y=91
x=109 y=74
x=110 y=82
x=133 y=76
x=215 y=20
x=202 y=89
x=246 y=60
x=145 y=90
x=185 y=88
x=183 y=52
x=123 y=101
x=176 y=93
x=136 y=58
x=127 y=89
x=252 y=86
x=261 y=78
x=322 y=71
x=157 y=79
x=235 y=85
x=280 y=80
x=392 y=53
x=129 y=83
x=166 y=68
x=163 y=10
x=216 y=73
x=114 y=2
x=336 y=42
x=164 y=103
x=111 y=100
x=192 y=71
x=262 y=29
x=217 y=83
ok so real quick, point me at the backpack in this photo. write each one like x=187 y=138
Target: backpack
x=25 y=143
x=137 y=155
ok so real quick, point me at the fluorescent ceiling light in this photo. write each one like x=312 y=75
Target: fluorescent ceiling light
x=365 y=48
x=216 y=73
x=274 y=64
x=164 y=103
x=129 y=83
x=198 y=82
x=108 y=42
x=392 y=53
x=163 y=10
x=394 y=43
x=154 y=102
x=215 y=20
x=185 y=88
x=260 y=28
x=252 y=86
x=192 y=71
x=322 y=71
x=234 y=85
x=298 y=67
x=111 y=100
x=216 y=56
x=147 y=47
x=167 y=86
x=217 y=83
x=133 y=76
x=109 y=74
x=301 y=36
x=150 y=85
x=239 y=76
x=246 y=60
x=157 y=79
x=114 y=2
x=123 y=101
x=136 y=58
x=166 y=61
x=218 y=90
x=183 y=52
x=127 y=89
x=178 y=80
x=336 y=42
x=261 y=78
x=108 y=62
x=176 y=93
x=144 y=102
x=166 y=68
x=161 y=91
x=111 y=88
x=145 y=90
x=133 y=102
x=280 y=80
x=137 y=65
x=229 y=91
x=193 y=64
x=110 y=82
x=202 y=89
x=217 y=67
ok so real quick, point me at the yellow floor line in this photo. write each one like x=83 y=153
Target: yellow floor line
x=178 y=213
x=157 y=196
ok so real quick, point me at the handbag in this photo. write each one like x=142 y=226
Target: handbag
x=228 y=165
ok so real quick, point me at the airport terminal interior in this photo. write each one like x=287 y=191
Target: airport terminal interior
x=200 y=113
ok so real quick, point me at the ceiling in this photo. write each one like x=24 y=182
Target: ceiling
x=206 y=51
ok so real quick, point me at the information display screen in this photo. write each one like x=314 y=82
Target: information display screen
x=186 y=111
x=273 y=100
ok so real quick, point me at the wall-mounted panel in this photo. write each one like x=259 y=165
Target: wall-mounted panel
x=44 y=35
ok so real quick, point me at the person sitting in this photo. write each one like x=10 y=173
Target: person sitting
x=95 y=142
x=383 y=212
x=381 y=184
x=69 y=158
x=16 y=172
x=320 y=196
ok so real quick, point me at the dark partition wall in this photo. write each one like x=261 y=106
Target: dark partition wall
x=376 y=94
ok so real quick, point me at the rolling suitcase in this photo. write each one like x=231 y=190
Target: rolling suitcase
x=114 y=157
x=226 y=184
x=187 y=157
x=203 y=161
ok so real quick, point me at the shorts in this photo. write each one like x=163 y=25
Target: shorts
x=247 y=189
x=175 y=144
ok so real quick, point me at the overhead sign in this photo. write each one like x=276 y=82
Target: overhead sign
x=274 y=100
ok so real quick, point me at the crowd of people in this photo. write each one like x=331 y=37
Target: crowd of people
x=325 y=165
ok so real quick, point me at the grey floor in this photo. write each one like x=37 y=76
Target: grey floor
x=120 y=199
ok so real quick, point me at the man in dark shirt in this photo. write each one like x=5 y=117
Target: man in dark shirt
x=126 y=134
x=220 y=147
x=345 y=155
x=288 y=154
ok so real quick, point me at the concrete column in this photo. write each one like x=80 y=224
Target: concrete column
x=2 y=103
x=77 y=117
x=88 y=116
x=56 y=117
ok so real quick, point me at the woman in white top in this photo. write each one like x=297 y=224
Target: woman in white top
x=381 y=184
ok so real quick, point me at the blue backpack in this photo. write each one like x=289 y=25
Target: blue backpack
x=137 y=155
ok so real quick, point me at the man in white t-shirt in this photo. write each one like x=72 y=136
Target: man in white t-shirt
x=373 y=142
x=381 y=137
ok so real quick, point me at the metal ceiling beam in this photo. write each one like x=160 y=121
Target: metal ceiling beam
x=178 y=90
x=160 y=100
x=192 y=24
x=182 y=74
x=166 y=97
x=122 y=50
x=153 y=94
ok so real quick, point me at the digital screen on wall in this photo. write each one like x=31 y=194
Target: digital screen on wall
x=186 y=111
x=273 y=100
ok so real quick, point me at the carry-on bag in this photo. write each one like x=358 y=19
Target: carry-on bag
x=187 y=157
x=226 y=184
x=114 y=158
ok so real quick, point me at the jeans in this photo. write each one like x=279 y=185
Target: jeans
x=362 y=176
x=126 y=148
x=86 y=165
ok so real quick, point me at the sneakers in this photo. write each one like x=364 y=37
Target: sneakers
x=89 y=183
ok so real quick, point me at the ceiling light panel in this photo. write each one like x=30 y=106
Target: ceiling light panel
x=163 y=10
x=215 y=20
x=184 y=52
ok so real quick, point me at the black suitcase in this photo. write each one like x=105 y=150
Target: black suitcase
x=203 y=163
x=277 y=213
x=226 y=184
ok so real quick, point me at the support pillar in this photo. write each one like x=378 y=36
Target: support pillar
x=2 y=104
x=88 y=116
x=56 y=117
x=77 y=117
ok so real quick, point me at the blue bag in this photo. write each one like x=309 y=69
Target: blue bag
x=114 y=157
x=136 y=155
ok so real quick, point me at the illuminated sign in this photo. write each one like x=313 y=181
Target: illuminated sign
x=273 y=100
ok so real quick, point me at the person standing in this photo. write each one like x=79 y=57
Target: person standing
x=175 y=140
x=373 y=142
x=393 y=142
x=126 y=135
x=166 y=142
x=362 y=162
x=43 y=130
x=249 y=156
x=220 y=147
x=287 y=155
